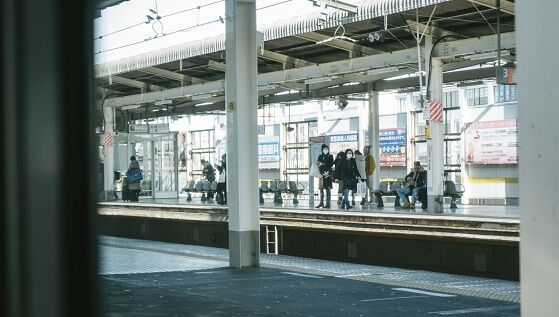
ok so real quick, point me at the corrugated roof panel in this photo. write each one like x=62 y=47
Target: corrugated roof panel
x=297 y=25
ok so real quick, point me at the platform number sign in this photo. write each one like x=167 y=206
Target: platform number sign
x=506 y=75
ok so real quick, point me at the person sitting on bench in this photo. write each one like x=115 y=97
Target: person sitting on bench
x=415 y=181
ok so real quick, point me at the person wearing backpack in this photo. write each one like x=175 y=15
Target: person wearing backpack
x=134 y=187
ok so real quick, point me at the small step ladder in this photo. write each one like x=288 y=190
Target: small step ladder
x=272 y=240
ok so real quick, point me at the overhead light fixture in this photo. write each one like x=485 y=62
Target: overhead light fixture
x=203 y=104
x=203 y=96
x=129 y=107
x=375 y=37
x=149 y=19
x=489 y=55
x=163 y=102
x=382 y=70
x=317 y=80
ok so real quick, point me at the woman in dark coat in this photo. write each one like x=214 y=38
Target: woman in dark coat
x=325 y=162
x=337 y=161
x=348 y=173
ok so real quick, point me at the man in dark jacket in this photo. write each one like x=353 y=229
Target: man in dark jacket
x=415 y=181
x=208 y=172
x=325 y=162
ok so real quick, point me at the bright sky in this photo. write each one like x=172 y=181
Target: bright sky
x=147 y=37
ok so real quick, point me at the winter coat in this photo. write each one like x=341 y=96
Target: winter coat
x=135 y=185
x=360 y=162
x=327 y=161
x=347 y=170
x=418 y=178
x=370 y=165
x=208 y=172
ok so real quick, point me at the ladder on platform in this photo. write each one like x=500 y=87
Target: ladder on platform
x=272 y=240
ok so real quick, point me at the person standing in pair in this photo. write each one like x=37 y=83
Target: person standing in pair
x=370 y=166
x=337 y=161
x=325 y=162
x=360 y=162
x=348 y=173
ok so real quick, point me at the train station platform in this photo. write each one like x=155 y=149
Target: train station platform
x=149 y=278
x=452 y=242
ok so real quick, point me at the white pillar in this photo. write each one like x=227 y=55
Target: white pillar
x=435 y=145
x=242 y=139
x=109 y=163
x=538 y=156
x=373 y=133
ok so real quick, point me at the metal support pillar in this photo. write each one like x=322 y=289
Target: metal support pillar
x=242 y=139
x=538 y=156
x=435 y=144
x=109 y=164
x=373 y=133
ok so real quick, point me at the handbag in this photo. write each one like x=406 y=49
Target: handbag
x=134 y=175
x=361 y=188
x=314 y=171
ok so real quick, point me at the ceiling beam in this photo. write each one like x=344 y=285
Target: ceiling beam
x=506 y=6
x=432 y=30
x=337 y=43
x=134 y=83
x=217 y=66
x=355 y=65
x=184 y=79
x=284 y=59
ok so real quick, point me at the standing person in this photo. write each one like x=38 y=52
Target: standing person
x=370 y=166
x=224 y=167
x=325 y=162
x=337 y=161
x=208 y=172
x=221 y=186
x=134 y=187
x=360 y=163
x=416 y=180
x=348 y=173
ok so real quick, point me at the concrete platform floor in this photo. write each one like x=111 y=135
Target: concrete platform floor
x=147 y=278
x=462 y=210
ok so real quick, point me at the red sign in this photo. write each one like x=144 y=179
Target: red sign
x=436 y=111
x=108 y=139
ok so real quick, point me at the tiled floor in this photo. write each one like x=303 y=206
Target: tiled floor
x=128 y=256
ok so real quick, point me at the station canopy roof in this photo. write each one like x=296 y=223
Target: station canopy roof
x=311 y=57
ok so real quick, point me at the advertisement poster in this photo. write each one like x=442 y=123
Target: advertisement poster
x=491 y=142
x=392 y=144
x=340 y=142
x=269 y=152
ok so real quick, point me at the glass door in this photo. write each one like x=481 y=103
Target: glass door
x=144 y=155
x=165 y=167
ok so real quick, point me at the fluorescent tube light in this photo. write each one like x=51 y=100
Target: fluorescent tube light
x=203 y=96
x=130 y=107
x=163 y=102
x=204 y=104
x=317 y=80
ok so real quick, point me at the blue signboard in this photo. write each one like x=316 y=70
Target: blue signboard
x=392 y=143
x=269 y=152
